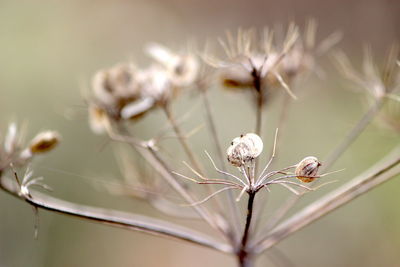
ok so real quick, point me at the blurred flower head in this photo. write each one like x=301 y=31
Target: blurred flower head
x=125 y=92
x=377 y=82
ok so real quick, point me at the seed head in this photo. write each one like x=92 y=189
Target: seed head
x=307 y=167
x=244 y=149
x=44 y=142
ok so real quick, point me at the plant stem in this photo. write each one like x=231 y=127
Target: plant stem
x=182 y=139
x=370 y=179
x=331 y=159
x=352 y=135
x=149 y=153
x=243 y=254
x=114 y=218
x=194 y=161
x=233 y=208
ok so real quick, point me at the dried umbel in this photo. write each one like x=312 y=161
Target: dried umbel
x=252 y=60
x=13 y=151
x=379 y=83
x=244 y=149
x=307 y=168
x=125 y=92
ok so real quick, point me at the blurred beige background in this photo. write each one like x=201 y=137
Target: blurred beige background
x=50 y=49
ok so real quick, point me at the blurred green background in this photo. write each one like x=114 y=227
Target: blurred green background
x=48 y=53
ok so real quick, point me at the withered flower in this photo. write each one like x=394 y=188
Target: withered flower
x=251 y=60
x=379 y=83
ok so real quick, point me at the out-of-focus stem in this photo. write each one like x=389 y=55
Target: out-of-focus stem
x=331 y=159
x=233 y=207
x=113 y=218
x=182 y=139
x=346 y=193
x=148 y=152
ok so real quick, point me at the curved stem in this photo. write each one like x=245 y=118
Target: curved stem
x=114 y=218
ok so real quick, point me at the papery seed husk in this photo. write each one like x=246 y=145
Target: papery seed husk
x=307 y=167
x=44 y=142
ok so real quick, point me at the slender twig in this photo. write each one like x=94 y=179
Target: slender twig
x=377 y=175
x=114 y=218
x=148 y=152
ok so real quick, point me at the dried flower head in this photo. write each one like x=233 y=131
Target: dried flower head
x=116 y=85
x=378 y=84
x=307 y=167
x=250 y=59
x=124 y=92
x=302 y=57
x=244 y=149
x=182 y=68
x=13 y=152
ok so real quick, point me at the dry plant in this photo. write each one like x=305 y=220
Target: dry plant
x=258 y=64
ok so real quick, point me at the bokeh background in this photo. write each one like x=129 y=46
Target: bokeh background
x=48 y=53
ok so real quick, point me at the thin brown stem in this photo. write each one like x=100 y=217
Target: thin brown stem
x=114 y=218
x=260 y=105
x=243 y=253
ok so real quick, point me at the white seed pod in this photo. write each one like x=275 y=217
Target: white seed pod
x=244 y=149
x=307 y=167
x=44 y=142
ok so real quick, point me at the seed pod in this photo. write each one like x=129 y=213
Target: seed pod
x=44 y=142
x=244 y=149
x=307 y=167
